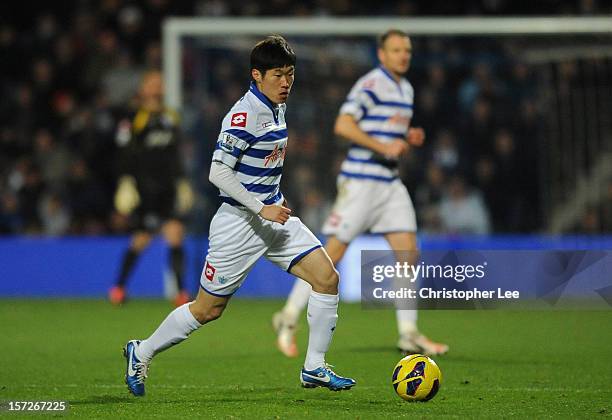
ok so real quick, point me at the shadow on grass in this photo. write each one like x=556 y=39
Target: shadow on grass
x=496 y=361
x=104 y=399
x=373 y=349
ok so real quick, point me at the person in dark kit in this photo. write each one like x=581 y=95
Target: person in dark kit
x=151 y=190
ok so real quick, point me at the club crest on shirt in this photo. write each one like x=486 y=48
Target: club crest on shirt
x=369 y=84
x=239 y=119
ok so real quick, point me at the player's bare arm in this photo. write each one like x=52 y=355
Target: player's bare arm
x=347 y=128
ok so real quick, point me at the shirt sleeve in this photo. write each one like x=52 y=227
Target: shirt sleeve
x=358 y=103
x=224 y=178
x=231 y=144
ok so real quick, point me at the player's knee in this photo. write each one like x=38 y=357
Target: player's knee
x=328 y=282
x=206 y=315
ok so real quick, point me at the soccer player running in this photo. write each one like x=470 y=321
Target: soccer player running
x=252 y=222
x=375 y=118
x=151 y=190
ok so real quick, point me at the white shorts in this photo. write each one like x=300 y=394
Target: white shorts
x=238 y=238
x=364 y=205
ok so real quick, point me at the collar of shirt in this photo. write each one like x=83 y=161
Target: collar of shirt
x=274 y=108
x=386 y=73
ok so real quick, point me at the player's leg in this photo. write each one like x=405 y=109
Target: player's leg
x=285 y=321
x=173 y=232
x=139 y=241
x=317 y=269
x=226 y=267
x=350 y=217
x=410 y=339
x=177 y=326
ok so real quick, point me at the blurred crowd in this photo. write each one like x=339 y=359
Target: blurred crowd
x=67 y=69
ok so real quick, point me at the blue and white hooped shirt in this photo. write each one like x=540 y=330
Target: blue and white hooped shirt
x=382 y=108
x=253 y=142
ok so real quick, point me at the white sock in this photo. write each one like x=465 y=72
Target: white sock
x=174 y=329
x=297 y=300
x=322 y=317
x=406 y=321
x=405 y=311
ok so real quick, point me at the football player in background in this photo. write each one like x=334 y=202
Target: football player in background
x=152 y=191
x=252 y=222
x=375 y=118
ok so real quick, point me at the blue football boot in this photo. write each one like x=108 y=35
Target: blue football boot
x=136 y=371
x=325 y=377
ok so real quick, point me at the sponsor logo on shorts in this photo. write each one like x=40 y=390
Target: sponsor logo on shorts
x=222 y=279
x=334 y=219
x=239 y=119
x=209 y=271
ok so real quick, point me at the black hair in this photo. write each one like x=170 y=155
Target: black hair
x=270 y=53
x=391 y=32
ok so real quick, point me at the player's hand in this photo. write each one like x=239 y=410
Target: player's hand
x=274 y=213
x=126 y=196
x=184 y=196
x=416 y=136
x=395 y=149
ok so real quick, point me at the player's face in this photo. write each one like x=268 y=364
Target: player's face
x=152 y=88
x=395 y=54
x=276 y=83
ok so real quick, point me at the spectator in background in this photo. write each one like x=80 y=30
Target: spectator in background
x=607 y=209
x=428 y=196
x=478 y=128
x=52 y=159
x=54 y=215
x=508 y=203
x=10 y=218
x=445 y=153
x=462 y=210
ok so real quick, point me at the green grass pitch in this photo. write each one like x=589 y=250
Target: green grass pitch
x=501 y=363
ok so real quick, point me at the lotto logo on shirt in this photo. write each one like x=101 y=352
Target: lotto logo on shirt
x=239 y=119
x=209 y=271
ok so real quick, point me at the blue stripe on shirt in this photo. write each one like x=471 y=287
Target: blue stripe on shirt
x=267 y=202
x=251 y=139
x=375 y=118
x=381 y=133
x=257 y=153
x=260 y=188
x=366 y=176
x=235 y=151
x=255 y=171
x=389 y=164
x=377 y=101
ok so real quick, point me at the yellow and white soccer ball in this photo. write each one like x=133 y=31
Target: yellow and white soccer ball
x=416 y=378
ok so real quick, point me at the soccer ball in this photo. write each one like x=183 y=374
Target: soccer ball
x=416 y=378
